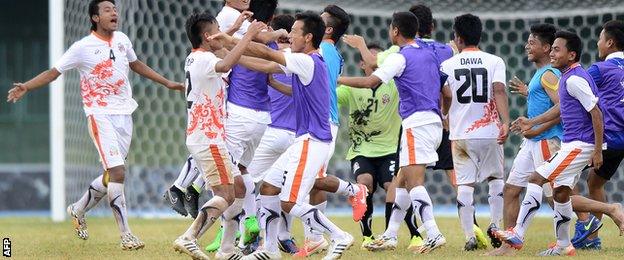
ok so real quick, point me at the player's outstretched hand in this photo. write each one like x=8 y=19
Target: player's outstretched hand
x=17 y=92
x=503 y=134
x=518 y=87
x=255 y=28
x=354 y=41
x=175 y=86
x=596 y=159
x=522 y=124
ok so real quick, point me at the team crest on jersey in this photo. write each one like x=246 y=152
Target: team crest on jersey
x=385 y=99
x=121 y=48
x=356 y=167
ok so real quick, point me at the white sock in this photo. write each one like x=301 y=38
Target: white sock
x=465 y=206
x=208 y=215
x=563 y=215
x=401 y=203
x=495 y=199
x=309 y=232
x=423 y=208
x=198 y=184
x=317 y=220
x=347 y=189
x=285 y=226
x=269 y=221
x=530 y=204
x=117 y=202
x=91 y=197
x=249 y=204
x=229 y=220
x=187 y=175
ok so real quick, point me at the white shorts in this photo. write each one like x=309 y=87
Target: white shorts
x=565 y=167
x=419 y=144
x=242 y=137
x=214 y=163
x=332 y=147
x=306 y=157
x=476 y=160
x=111 y=135
x=273 y=144
x=532 y=155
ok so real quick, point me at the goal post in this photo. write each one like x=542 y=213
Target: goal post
x=57 y=113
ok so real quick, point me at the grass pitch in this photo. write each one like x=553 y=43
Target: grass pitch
x=37 y=238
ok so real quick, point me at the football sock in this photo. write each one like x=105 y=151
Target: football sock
x=530 y=204
x=465 y=206
x=187 y=175
x=229 y=221
x=117 y=202
x=423 y=207
x=208 y=215
x=269 y=221
x=495 y=199
x=367 y=220
x=563 y=215
x=316 y=220
x=91 y=197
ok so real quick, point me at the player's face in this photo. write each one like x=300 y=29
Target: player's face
x=298 y=40
x=560 y=56
x=393 y=34
x=107 y=16
x=240 y=5
x=603 y=45
x=535 y=49
x=212 y=29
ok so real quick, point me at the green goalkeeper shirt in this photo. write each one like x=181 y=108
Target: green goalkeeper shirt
x=374 y=121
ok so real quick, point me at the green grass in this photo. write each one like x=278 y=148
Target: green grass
x=37 y=238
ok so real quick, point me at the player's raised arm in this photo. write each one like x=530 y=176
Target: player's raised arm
x=358 y=42
x=231 y=58
x=142 y=69
x=253 y=49
x=20 y=89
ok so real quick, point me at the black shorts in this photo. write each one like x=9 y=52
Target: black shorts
x=382 y=168
x=445 y=158
x=611 y=159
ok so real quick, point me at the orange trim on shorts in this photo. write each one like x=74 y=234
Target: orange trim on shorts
x=96 y=137
x=564 y=164
x=545 y=149
x=411 y=151
x=216 y=155
x=294 y=190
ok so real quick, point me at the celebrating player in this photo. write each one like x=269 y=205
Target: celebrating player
x=205 y=91
x=416 y=73
x=103 y=59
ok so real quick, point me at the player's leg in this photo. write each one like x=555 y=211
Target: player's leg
x=465 y=165
x=418 y=146
x=299 y=182
x=175 y=196
x=491 y=167
x=356 y=192
x=218 y=174
x=363 y=169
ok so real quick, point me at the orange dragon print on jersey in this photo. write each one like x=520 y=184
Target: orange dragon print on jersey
x=95 y=87
x=208 y=117
x=490 y=116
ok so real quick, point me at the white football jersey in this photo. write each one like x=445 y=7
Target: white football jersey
x=473 y=113
x=205 y=96
x=103 y=66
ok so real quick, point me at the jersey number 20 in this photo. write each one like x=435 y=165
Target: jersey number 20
x=479 y=92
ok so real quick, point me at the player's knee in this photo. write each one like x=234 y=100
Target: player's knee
x=117 y=174
x=536 y=178
x=287 y=206
x=595 y=182
x=367 y=180
x=268 y=189
x=511 y=191
x=239 y=187
x=561 y=194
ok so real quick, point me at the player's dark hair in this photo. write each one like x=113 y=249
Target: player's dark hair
x=283 y=21
x=94 y=9
x=263 y=10
x=374 y=45
x=614 y=30
x=196 y=25
x=573 y=43
x=406 y=23
x=545 y=32
x=339 y=20
x=468 y=27
x=312 y=23
x=425 y=19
